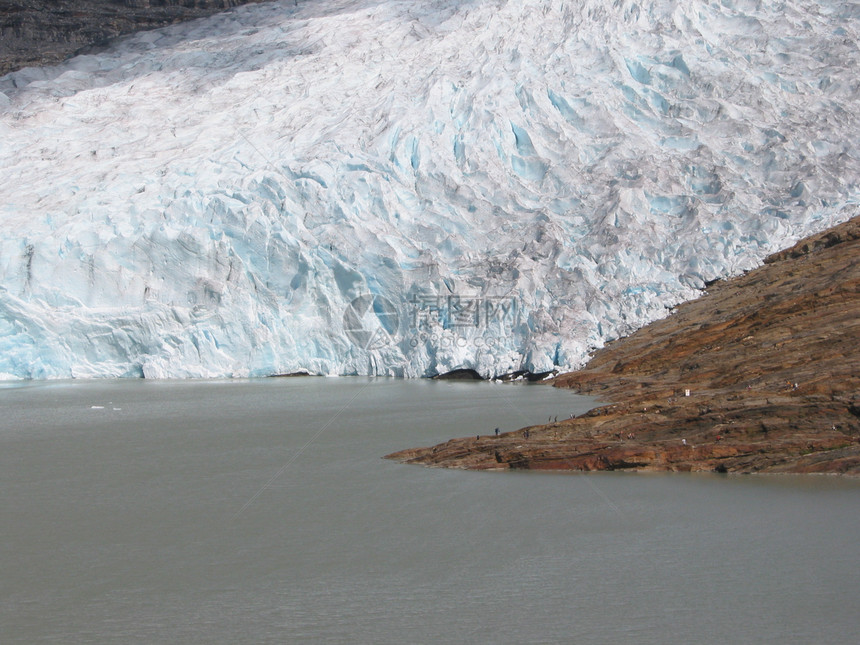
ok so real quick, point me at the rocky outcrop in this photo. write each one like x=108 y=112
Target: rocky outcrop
x=45 y=32
x=459 y=375
x=761 y=374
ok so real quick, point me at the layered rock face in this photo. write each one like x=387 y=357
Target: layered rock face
x=759 y=375
x=45 y=32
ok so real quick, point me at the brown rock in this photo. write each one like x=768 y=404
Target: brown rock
x=45 y=32
x=771 y=361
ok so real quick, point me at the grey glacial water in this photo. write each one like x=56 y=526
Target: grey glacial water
x=261 y=512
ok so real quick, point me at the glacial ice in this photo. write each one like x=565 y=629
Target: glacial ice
x=401 y=188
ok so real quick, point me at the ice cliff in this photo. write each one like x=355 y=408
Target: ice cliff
x=394 y=187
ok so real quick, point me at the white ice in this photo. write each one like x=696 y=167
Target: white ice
x=209 y=199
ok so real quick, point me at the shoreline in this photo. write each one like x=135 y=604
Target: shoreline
x=768 y=358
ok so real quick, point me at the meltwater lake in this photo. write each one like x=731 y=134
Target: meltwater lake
x=261 y=511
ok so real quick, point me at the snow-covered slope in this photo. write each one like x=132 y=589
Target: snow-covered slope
x=409 y=187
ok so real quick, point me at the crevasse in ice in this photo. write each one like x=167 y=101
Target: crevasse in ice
x=392 y=187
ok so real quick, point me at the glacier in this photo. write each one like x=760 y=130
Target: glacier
x=405 y=188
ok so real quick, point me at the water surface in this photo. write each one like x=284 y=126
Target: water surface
x=262 y=512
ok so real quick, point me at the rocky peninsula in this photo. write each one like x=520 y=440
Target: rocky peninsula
x=46 y=32
x=759 y=375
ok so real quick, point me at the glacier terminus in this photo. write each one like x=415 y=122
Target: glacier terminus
x=391 y=187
